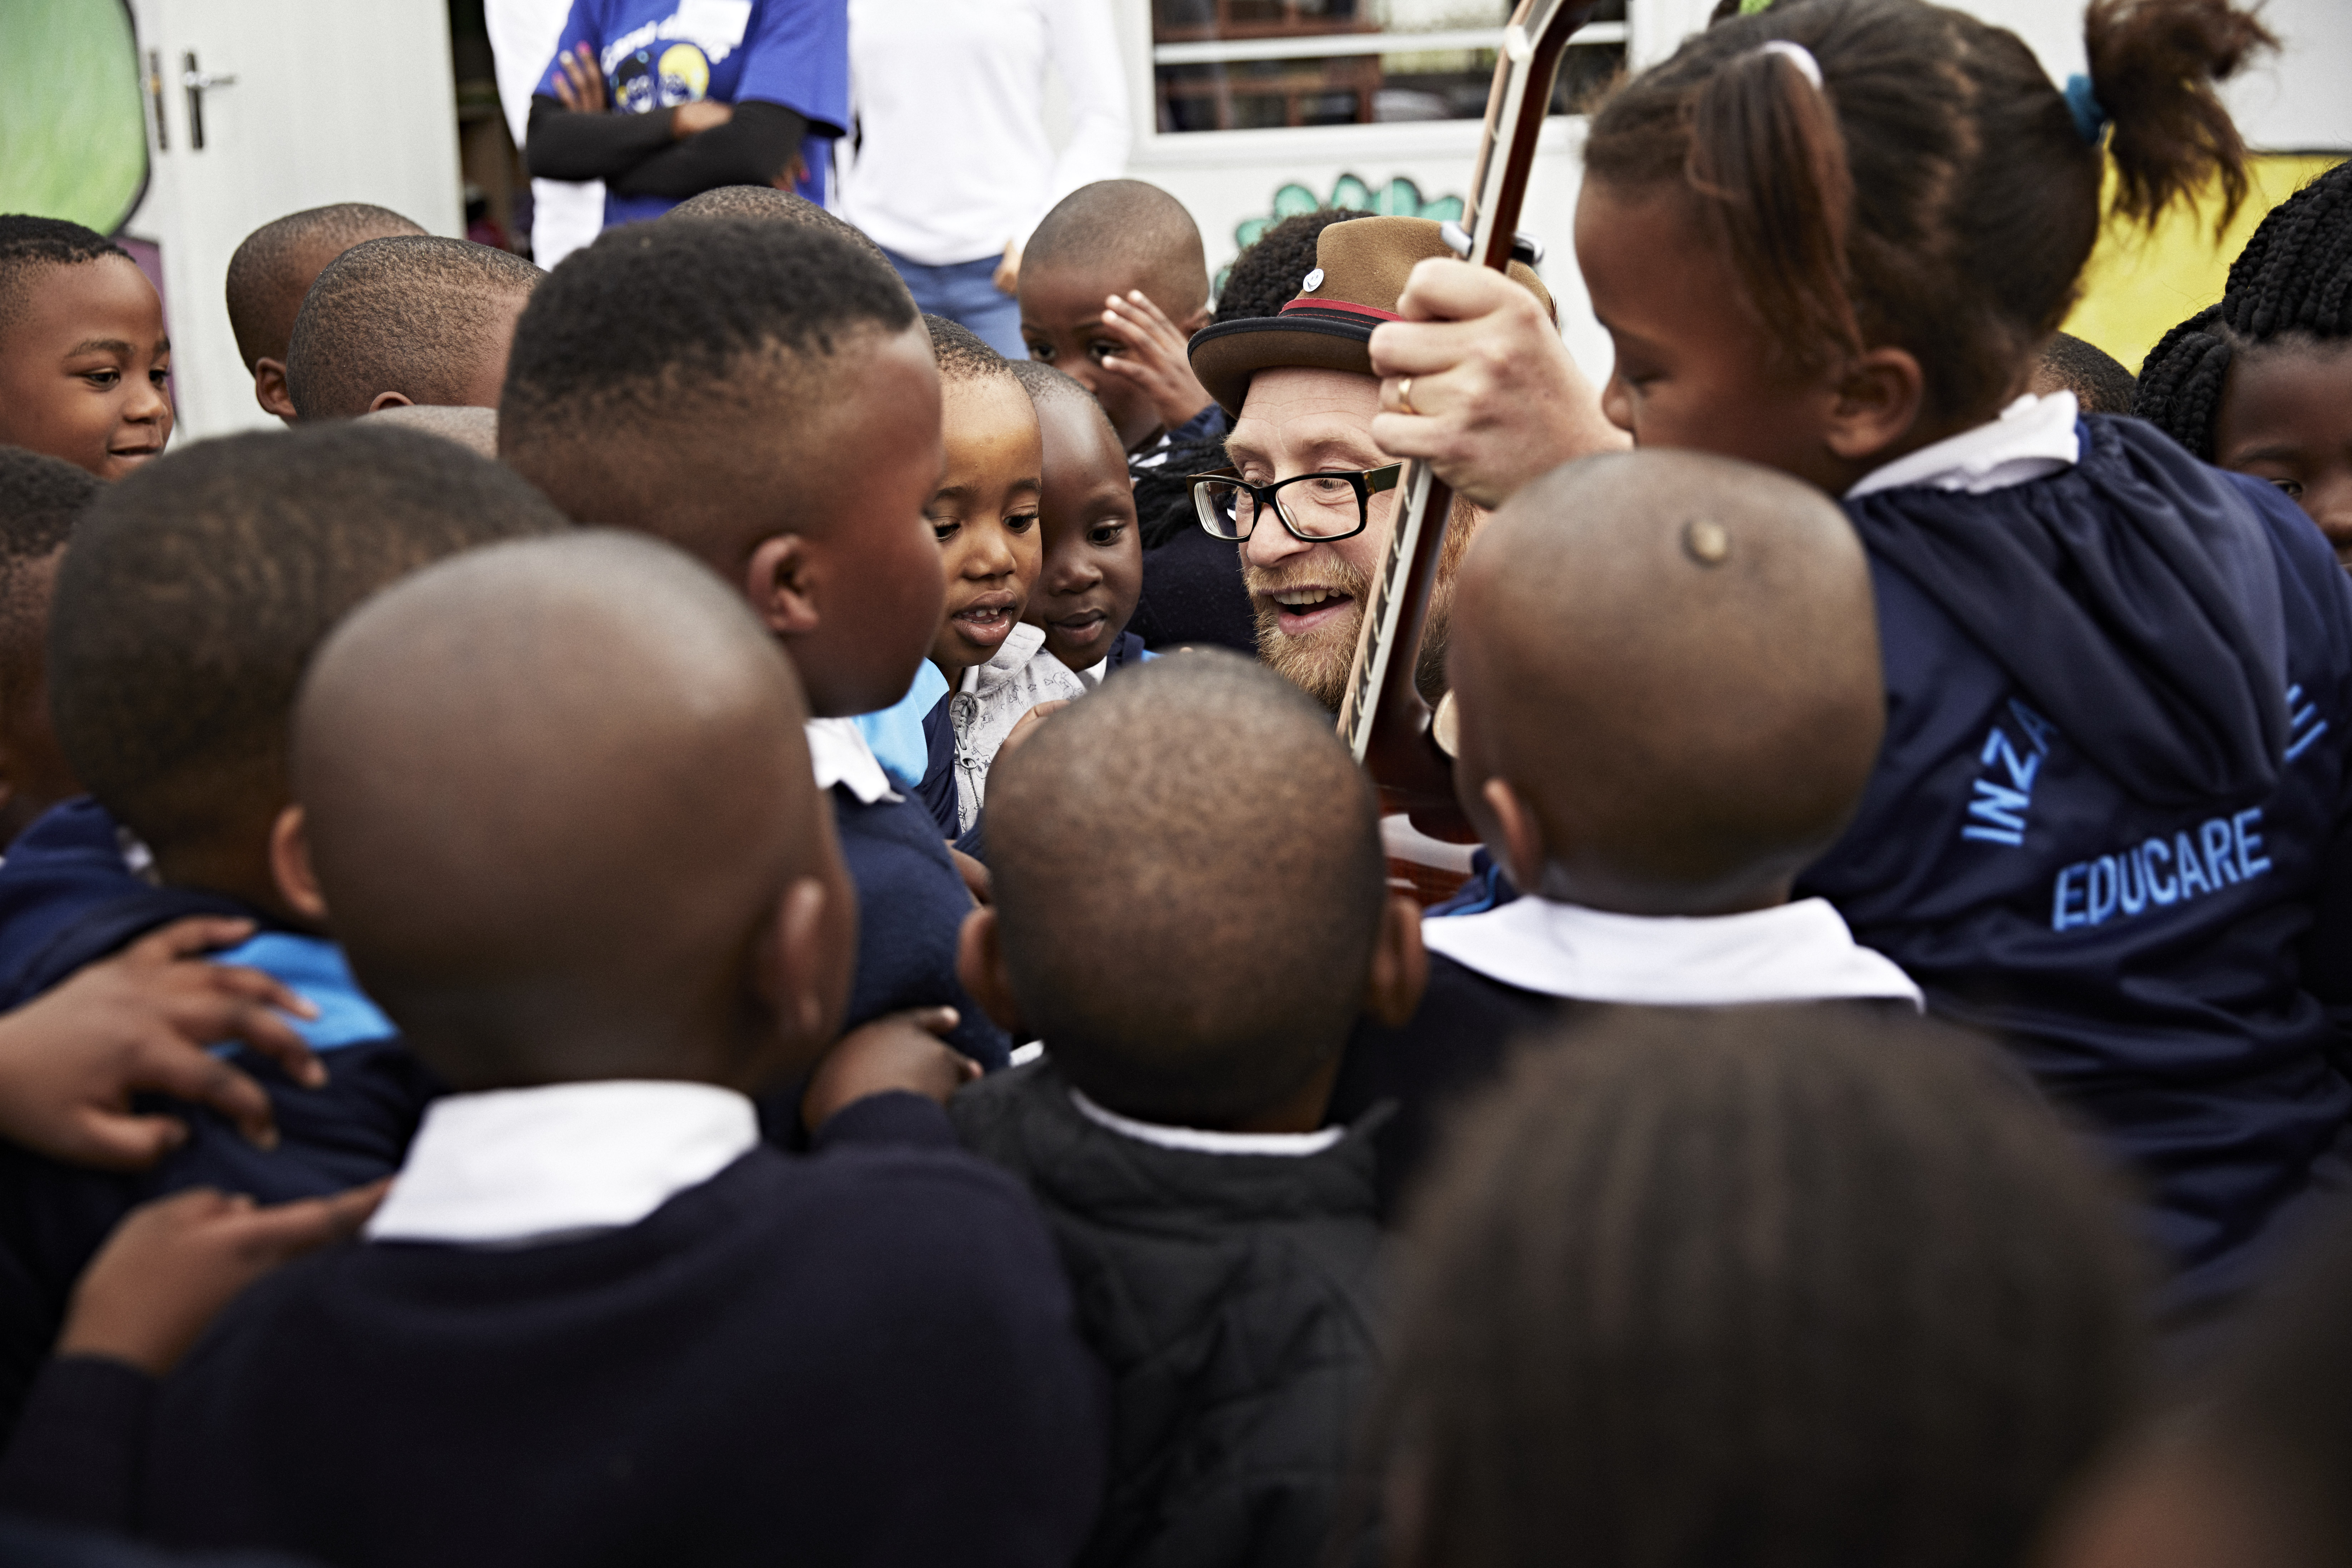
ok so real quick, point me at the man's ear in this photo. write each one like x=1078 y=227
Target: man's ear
x=1879 y=396
x=1198 y=319
x=269 y=389
x=1523 y=844
x=289 y=864
x=1400 y=965
x=780 y=582
x=384 y=400
x=980 y=965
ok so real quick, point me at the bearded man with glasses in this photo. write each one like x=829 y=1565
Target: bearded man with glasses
x=1307 y=494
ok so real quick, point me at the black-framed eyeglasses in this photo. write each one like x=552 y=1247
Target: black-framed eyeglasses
x=1314 y=508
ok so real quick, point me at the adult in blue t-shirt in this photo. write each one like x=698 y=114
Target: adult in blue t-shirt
x=662 y=99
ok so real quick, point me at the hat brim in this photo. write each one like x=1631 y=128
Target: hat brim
x=1226 y=355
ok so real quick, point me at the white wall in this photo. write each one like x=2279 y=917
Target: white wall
x=333 y=102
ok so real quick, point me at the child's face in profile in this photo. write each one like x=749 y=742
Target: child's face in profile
x=1694 y=369
x=85 y=371
x=2286 y=416
x=1093 y=555
x=1062 y=322
x=984 y=516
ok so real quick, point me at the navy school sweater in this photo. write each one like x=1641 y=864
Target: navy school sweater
x=1457 y=1042
x=2109 y=819
x=67 y=898
x=864 y=1355
x=911 y=903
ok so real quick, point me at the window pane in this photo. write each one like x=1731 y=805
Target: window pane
x=1246 y=64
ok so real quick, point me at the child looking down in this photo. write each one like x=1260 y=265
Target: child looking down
x=558 y=800
x=763 y=395
x=1665 y=678
x=1193 y=959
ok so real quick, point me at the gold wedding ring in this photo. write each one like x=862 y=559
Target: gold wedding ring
x=1404 y=397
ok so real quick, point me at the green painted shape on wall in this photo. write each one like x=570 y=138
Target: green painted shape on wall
x=72 y=120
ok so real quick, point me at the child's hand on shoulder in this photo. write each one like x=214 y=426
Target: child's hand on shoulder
x=171 y=1265
x=896 y=1051
x=140 y=1022
x=1155 y=360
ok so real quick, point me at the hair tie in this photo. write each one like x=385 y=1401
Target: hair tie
x=1798 y=55
x=2090 y=114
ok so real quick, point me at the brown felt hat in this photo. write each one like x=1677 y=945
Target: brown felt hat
x=1360 y=268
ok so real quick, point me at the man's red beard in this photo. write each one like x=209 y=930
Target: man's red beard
x=1317 y=658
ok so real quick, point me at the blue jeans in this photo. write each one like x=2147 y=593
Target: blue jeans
x=963 y=293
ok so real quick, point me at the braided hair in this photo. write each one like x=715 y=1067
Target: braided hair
x=2293 y=279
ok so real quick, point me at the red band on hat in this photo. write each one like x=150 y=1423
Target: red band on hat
x=1343 y=307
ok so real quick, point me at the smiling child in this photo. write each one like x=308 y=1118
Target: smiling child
x=84 y=368
x=984 y=515
x=1093 y=567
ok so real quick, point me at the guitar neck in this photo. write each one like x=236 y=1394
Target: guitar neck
x=1383 y=716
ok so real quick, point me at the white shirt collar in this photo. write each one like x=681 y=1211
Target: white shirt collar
x=1794 y=953
x=516 y=1166
x=1093 y=674
x=2034 y=436
x=1199 y=1141
x=840 y=755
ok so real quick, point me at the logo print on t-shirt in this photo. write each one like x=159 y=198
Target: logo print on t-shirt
x=685 y=75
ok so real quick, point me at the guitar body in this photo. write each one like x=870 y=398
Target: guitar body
x=1383 y=715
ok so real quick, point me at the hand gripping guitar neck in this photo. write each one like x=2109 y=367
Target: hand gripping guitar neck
x=1382 y=717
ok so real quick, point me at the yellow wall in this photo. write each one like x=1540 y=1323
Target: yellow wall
x=2137 y=285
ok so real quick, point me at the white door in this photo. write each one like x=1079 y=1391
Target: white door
x=259 y=108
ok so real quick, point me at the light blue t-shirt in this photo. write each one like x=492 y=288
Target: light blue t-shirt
x=896 y=732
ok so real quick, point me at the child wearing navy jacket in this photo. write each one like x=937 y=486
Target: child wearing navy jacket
x=557 y=796
x=2109 y=817
x=763 y=395
x=185 y=607
x=1193 y=959
x=1665 y=675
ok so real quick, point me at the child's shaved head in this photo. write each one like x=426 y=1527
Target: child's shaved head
x=275 y=267
x=556 y=792
x=195 y=590
x=962 y=354
x=766 y=204
x=1126 y=229
x=476 y=429
x=1049 y=388
x=1671 y=661
x=645 y=358
x=1189 y=887
x=29 y=244
x=426 y=319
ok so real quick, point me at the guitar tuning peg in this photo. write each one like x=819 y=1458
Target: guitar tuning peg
x=1526 y=248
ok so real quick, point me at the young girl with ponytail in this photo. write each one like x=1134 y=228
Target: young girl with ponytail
x=1829 y=237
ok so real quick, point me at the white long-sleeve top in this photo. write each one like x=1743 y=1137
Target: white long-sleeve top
x=953 y=162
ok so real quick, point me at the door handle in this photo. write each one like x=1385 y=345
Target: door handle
x=196 y=82
x=155 y=93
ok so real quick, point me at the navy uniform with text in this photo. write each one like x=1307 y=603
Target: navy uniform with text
x=2108 y=822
